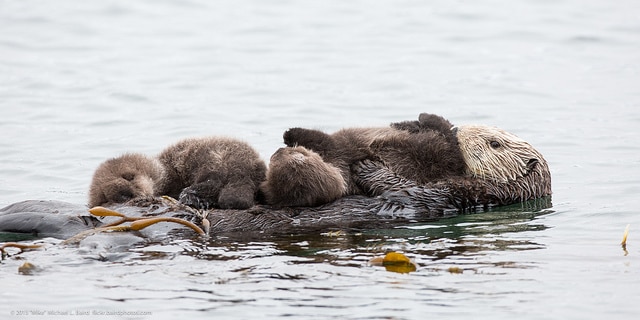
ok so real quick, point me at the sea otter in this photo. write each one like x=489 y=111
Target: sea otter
x=499 y=169
x=122 y=178
x=432 y=152
x=211 y=172
x=300 y=177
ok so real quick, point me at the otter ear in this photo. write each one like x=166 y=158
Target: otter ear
x=531 y=164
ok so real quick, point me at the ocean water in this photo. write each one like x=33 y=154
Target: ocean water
x=83 y=81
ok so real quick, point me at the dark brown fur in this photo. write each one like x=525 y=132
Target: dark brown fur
x=212 y=172
x=424 y=150
x=120 y=179
x=300 y=177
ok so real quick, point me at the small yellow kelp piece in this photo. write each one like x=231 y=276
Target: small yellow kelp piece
x=624 y=236
x=624 y=240
x=455 y=270
x=27 y=268
x=395 y=262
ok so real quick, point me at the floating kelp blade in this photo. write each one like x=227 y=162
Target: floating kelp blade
x=104 y=212
x=143 y=223
x=20 y=246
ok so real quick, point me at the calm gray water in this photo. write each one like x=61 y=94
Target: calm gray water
x=82 y=81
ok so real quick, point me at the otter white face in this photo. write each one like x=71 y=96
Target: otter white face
x=496 y=155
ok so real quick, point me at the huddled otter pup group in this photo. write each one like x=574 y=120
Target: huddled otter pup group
x=469 y=165
x=209 y=172
x=212 y=172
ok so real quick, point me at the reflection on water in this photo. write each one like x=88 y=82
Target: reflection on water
x=301 y=273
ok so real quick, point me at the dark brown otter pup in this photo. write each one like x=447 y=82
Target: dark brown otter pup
x=424 y=150
x=298 y=177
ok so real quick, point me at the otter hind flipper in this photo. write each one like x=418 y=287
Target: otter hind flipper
x=410 y=126
x=435 y=122
x=426 y=122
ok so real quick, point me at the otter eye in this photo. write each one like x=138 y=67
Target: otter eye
x=494 y=144
x=128 y=176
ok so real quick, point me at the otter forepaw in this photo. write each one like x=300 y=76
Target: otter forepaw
x=293 y=136
x=315 y=140
x=191 y=198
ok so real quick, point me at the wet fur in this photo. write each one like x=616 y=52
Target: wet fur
x=509 y=166
x=477 y=164
x=300 y=177
x=500 y=169
x=424 y=150
x=120 y=179
x=212 y=172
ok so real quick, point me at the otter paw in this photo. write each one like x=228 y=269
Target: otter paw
x=293 y=136
x=191 y=198
x=315 y=140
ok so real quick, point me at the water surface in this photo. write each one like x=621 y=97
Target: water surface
x=84 y=81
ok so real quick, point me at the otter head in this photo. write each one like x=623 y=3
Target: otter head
x=506 y=162
x=300 y=177
x=121 y=179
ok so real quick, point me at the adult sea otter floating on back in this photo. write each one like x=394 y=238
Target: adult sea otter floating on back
x=499 y=169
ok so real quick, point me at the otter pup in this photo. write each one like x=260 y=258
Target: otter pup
x=120 y=179
x=298 y=177
x=211 y=172
x=424 y=150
